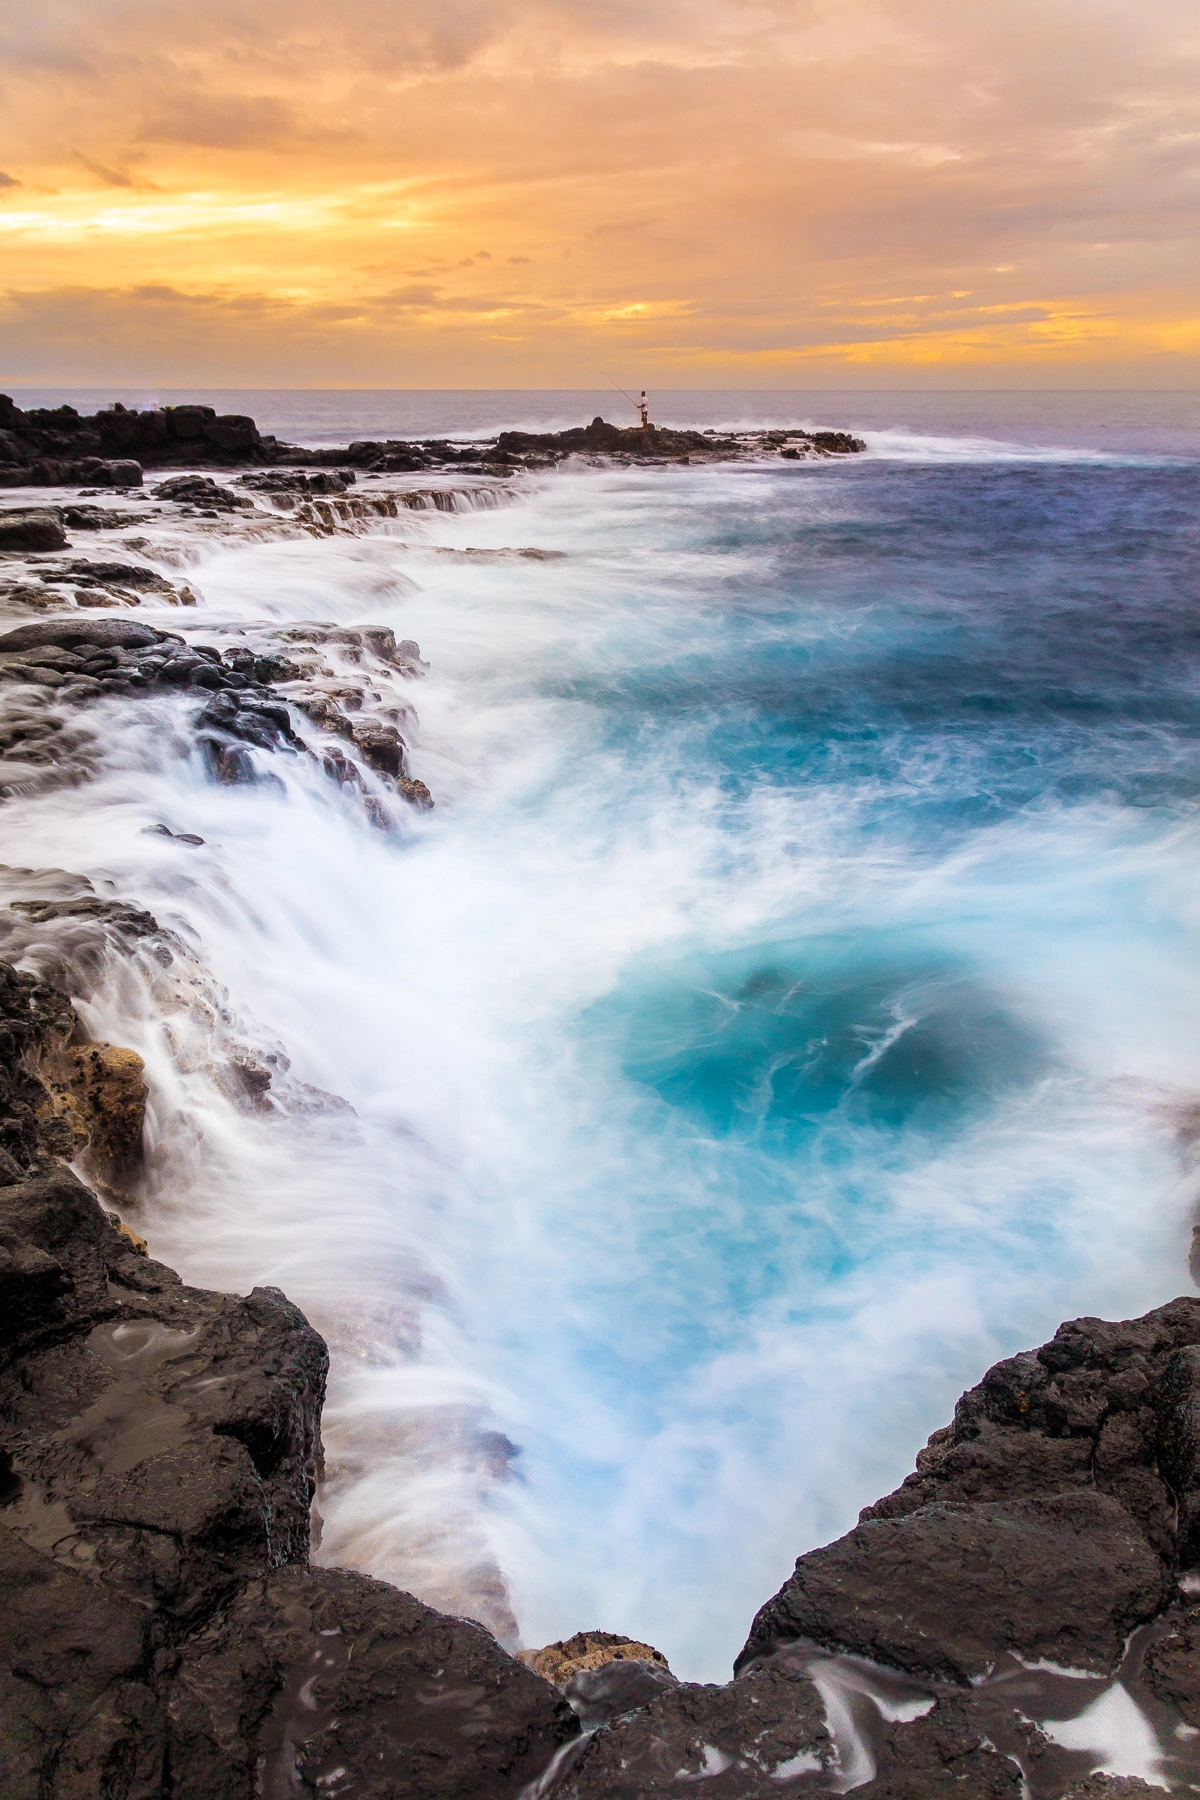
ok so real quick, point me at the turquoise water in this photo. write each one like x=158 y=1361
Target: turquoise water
x=791 y=1006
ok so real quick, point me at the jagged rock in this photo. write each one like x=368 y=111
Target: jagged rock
x=77 y=515
x=121 y=574
x=295 y=481
x=943 y=1754
x=1074 y=1457
x=416 y=793
x=1172 y=1665
x=31 y=531
x=599 y=1695
x=36 y=1020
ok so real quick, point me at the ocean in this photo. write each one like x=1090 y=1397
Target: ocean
x=791 y=1005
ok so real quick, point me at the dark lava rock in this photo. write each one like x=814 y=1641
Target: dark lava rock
x=1172 y=1666
x=1081 y=1457
x=942 y=1590
x=943 y=1754
x=78 y=516
x=163 y=1635
x=33 y=1017
x=31 y=531
x=66 y=633
x=598 y=1696
x=742 y=1742
x=122 y=574
x=312 y=1674
x=1113 y=1787
x=295 y=481
x=382 y=746
x=199 y=490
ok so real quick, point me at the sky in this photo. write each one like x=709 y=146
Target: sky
x=534 y=193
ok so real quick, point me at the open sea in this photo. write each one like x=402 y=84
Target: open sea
x=791 y=1006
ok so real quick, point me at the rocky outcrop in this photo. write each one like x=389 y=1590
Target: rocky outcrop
x=53 y=446
x=164 y=1638
x=58 y=446
x=246 y=694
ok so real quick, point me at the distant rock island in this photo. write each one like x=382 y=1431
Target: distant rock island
x=60 y=447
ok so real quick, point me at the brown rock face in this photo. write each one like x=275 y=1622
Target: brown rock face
x=588 y=1650
x=103 y=1092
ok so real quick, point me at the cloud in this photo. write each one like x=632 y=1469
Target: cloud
x=726 y=178
x=9 y=181
x=110 y=177
x=227 y=122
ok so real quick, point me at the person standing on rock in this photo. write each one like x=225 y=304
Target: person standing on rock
x=644 y=411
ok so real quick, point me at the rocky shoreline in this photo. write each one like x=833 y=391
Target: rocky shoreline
x=1020 y=1616
x=53 y=446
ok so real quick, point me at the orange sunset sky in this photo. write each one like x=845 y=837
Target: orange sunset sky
x=506 y=193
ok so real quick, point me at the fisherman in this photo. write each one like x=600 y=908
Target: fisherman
x=644 y=411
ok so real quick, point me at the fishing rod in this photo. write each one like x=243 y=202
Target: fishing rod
x=621 y=390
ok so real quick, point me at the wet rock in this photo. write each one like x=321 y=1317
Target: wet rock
x=36 y=1020
x=943 y=1754
x=1092 y=1437
x=178 y=837
x=1172 y=1666
x=943 y=1590
x=32 y=594
x=68 y=633
x=381 y=746
x=416 y=793
x=296 y=481
x=1113 y=1787
x=741 y=1742
x=202 y=491
x=31 y=531
x=134 y=575
x=78 y=516
x=599 y=1695
x=230 y=764
x=315 y=1673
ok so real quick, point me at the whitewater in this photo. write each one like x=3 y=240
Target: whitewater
x=790 y=1006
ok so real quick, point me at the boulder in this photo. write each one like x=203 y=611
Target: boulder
x=66 y=633
x=20 y=531
x=945 y=1590
x=315 y=1674
x=199 y=490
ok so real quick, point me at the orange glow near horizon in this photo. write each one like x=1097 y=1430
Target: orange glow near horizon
x=507 y=193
